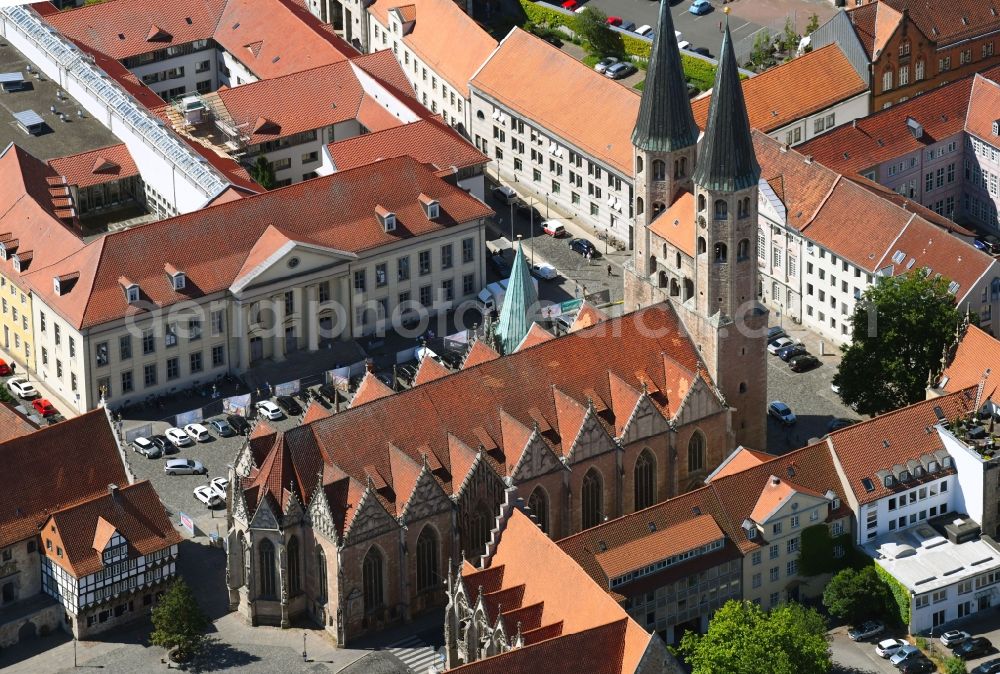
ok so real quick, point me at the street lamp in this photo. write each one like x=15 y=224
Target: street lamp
x=511 y=220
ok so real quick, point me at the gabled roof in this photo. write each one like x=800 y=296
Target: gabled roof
x=79 y=462
x=432 y=37
x=429 y=370
x=776 y=96
x=984 y=107
x=480 y=352
x=13 y=424
x=945 y=23
x=536 y=335
x=134 y=511
x=335 y=212
x=98 y=166
x=547 y=78
x=741 y=459
x=976 y=352
x=429 y=141
x=587 y=316
x=371 y=388
x=776 y=493
x=315 y=412
x=676 y=224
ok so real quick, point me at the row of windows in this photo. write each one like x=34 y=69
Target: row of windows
x=150 y=372
x=381 y=272
x=669 y=561
x=379 y=309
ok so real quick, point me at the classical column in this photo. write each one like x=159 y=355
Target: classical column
x=310 y=316
x=344 y=297
x=242 y=336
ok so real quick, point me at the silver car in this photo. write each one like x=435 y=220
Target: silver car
x=147 y=448
x=184 y=467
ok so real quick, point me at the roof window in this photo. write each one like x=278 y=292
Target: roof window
x=386 y=218
x=867 y=484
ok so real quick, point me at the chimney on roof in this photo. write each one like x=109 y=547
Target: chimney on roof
x=775 y=480
x=784 y=147
x=113 y=490
x=809 y=159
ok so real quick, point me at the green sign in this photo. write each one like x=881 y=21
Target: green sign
x=570 y=305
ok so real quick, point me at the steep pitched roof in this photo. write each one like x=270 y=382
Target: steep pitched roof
x=536 y=335
x=135 y=512
x=335 y=213
x=977 y=350
x=664 y=123
x=315 y=412
x=947 y=23
x=776 y=97
x=429 y=141
x=432 y=37
x=12 y=424
x=676 y=224
x=371 y=388
x=984 y=107
x=80 y=460
x=429 y=370
x=587 y=316
x=480 y=352
x=741 y=459
x=547 y=78
x=98 y=166
x=520 y=304
x=726 y=158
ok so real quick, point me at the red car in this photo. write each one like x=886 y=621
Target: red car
x=614 y=21
x=4 y=368
x=44 y=407
x=570 y=5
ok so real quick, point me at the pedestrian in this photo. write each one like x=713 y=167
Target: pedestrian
x=588 y=257
x=609 y=270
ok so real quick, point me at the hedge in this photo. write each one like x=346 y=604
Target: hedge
x=899 y=607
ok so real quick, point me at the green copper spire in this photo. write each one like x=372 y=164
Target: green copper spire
x=665 y=122
x=726 y=159
x=520 y=305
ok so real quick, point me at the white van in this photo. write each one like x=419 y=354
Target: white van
x=644 y=29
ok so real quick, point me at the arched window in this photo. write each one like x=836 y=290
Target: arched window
x=721 y=209
x=267 y=585
x=659 y=169
x=245 y=549
x=480 y=115
x=371 y=580
x=645 y=480
x=684 y=166
x=652 y=264
x=428 y=567
x=664 y=251
x=658 y=208
x=661 y=279
x=701 y=202
x=675 y=288
x=677 y=259
x=696 y=452
x=294 y=574
x=638 y=206
x=321 y=573
x=638 y=164
x=688 y=289
x=702 y=245
x=720 y=252
x=479 y=528
x=743 y=250
x=743 y=387
x=539 y=504
x=592 y=499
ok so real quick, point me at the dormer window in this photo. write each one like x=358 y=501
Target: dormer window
x=904 y=476
x=131 y=289
x=56 y=286
x=178 y=279
x=889 y=481
x=387 y=219
x=752 y=533
x=996 y=128
x=431 y=206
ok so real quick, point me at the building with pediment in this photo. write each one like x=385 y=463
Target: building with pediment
x=352 y=517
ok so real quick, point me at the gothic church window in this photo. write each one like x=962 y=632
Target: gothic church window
x=658 y=208
x=702 y=246
x=720 y=252
x=321 y=573
x=743 y=250
x=268 y=587
x=294 y=575
x=659 y=169
x=371 y=579
x=428 y=569
x=645 y=480
x=538 y=502
x=696 y=452
x=592 y=499
x=701 y=202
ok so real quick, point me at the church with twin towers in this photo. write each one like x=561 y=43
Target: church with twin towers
x=696 y=225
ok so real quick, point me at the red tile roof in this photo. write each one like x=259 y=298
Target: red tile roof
x=255 y=32
x=893 y=438
x=587 y=316
x=98 y=166
x=684 y=536
x=984 y=107
x=135 y=513
x=80 y=459
x=948 y=23
x=432 y=37
x=315 y=412
x=741 y=459
x=676 y=224
x=536 y=335
x=429 y=370
x=976 y=352
x=777 y=96
x=429 y=141
x=333 y=212
x=13 y=424
x=371 y=388
x=480 y=352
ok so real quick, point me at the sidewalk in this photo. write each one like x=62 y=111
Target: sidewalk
x=44 y=391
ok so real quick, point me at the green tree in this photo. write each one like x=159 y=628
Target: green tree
x=855 y=595
x=789 y=39
x=263 y=172
x=900 y=329
x=762 y=52
x=813 y=24
x=591 y=25
x=742 y=637
x=178 y=622
x=954 y=665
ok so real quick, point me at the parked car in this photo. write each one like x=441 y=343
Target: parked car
x=838 y=423
x=164 y=444
x=774 y=332
x=44 y=407
x=506 y=194
x=976 y=647
x=584 y=247
x=614 y=21
x=219 y=485
x=918 y=666
x=699 y=7
x=629 y=26
x=781 y=412
x=222 y=427
x=702 y=51
x=146 y=447
x=905 y=654
x=269 y=410
x=500 y=265
x=888 y=647
x=866 y=630
x=981 y=245
x=4 y=368
x=328 y=392
x=206 y=495
x=620 y=71
x=183 y=467
x=683 y=44
x=990 y=667
x=570 y=4
x=530 y=213
x=803 y=363
x=289 y=405
x=645 y=30
x=776 y=345
x=786 y=353
x=239 y=423
x=953 y=638
x=178 y=438
x=197 y=432
x=22 y=388
x=544 y=271
x=553 y=229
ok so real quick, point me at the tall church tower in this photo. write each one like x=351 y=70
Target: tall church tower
x=722 y=314
x=665 y=145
